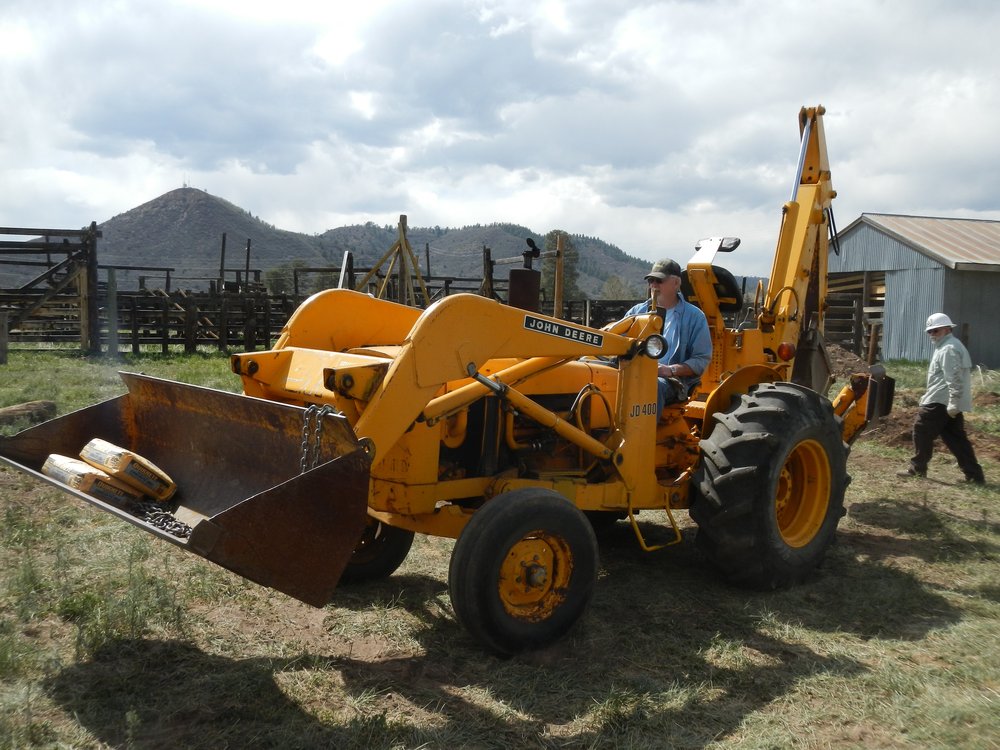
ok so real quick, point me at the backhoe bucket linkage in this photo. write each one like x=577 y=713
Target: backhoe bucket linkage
x=237 y=462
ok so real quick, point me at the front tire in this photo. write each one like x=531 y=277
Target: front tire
x=523 y=570
x=769 y=491
x=381 y=550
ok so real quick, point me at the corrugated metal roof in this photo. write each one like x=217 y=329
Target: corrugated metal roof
x=960 y=244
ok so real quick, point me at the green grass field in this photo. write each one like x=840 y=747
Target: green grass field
x=110 y=638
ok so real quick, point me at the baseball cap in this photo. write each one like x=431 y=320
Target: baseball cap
x=664 y=268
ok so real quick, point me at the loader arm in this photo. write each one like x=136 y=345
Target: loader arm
x=457 y=336
x=405 y=377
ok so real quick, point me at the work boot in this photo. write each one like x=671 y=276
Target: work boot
x=911 y=472
x=980 y=479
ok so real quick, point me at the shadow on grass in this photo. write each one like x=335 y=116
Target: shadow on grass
x=153 y=694
x=850 y=592
x=922 y=522
x=667 y=656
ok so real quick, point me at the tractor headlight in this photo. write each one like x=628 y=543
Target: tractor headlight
x=655 y=346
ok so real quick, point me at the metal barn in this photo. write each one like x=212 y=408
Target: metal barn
x=924 y=265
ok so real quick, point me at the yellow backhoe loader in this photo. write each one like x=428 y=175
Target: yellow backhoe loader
x=513 y=432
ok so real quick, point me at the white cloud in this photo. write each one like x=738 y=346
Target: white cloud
x=648 y=124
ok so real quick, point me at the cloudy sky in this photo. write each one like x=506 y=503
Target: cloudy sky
x=647 y=124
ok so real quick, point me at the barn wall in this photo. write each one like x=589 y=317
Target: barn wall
x=915 y=287
x=972 y=300
x=910 y=296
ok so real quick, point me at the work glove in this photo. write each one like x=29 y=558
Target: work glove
x=953 y=411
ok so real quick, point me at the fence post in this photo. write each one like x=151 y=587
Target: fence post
x=112 y=307
x=873 y=340
x=165 y=326
x=267 y=322
x=133 y=308
x=190 y=326
x=3 y=338
x=249 y=326
x=89 y=297
x=224 y=324
x=557 y=286
x=859 y=325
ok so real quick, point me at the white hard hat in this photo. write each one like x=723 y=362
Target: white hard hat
x=938 y=320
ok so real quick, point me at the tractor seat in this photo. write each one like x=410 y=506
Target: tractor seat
x=727 y=291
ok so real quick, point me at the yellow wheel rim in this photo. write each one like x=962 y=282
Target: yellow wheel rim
x=534 y=576
x=803 y=494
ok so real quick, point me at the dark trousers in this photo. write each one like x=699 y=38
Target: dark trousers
x=932 y=422
x=668 y=391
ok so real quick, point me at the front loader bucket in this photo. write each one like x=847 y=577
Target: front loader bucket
x=237 y=462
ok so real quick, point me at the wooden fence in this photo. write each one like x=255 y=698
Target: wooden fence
x=854 y=313
x=74 y=275
x=66 y=303
x=133 y=320
x=244 y=321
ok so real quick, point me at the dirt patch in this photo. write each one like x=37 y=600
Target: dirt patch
x=895 y=429
x=844 y=362
x=985 y=399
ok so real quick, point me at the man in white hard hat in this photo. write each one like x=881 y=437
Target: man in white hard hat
x=948 y=397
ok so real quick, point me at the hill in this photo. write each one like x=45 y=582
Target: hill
x=182 y=229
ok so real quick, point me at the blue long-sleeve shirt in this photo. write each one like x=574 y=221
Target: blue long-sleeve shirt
x=689 y=342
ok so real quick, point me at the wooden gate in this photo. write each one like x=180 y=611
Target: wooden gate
x=62 y=298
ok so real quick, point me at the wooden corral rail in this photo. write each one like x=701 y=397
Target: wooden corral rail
x=223 y=321
x=45 y=299
x=437 y=286
x=227 y=321
x=374 y=281
x=854 y=315
x=245 y=321
x=155 y=318
x=590 y=312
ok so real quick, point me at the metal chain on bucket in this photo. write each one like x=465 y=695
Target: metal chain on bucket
x=312 y=433
x=155 y=515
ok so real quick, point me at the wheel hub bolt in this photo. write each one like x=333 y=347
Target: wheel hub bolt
x=535 y=575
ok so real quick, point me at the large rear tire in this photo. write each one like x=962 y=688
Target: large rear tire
x=523 y=570
x=769 y=491
x=381 y=550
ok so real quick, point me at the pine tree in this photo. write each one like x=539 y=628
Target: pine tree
x=616 y=288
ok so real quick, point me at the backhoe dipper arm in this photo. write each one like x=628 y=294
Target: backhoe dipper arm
x=795 y=296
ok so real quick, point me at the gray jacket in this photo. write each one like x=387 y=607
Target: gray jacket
x=949 y=376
